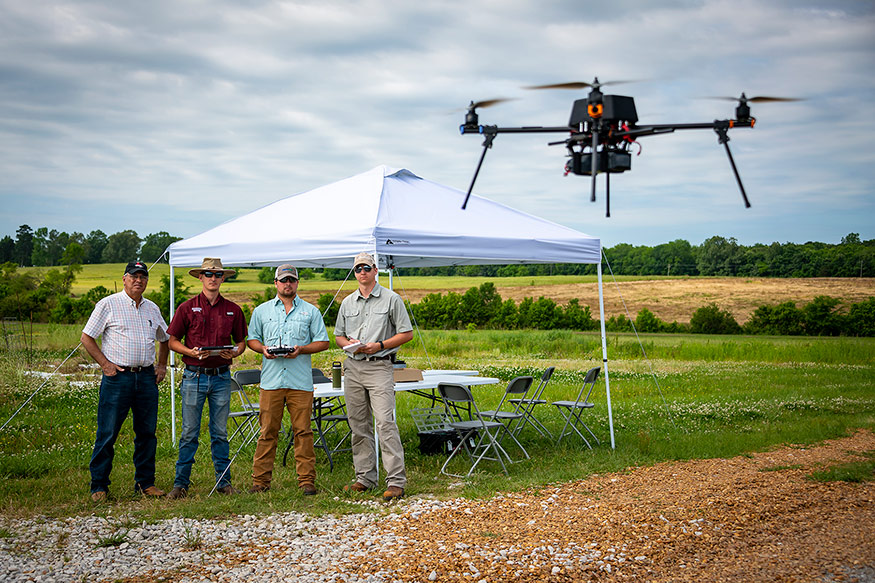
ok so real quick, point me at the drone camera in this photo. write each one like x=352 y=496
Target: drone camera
x=615 y=161
x=615 y=108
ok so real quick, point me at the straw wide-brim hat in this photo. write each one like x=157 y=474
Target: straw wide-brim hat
x=210 y=264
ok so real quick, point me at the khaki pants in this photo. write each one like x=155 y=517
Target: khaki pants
x=270 y=417
x=369 y=390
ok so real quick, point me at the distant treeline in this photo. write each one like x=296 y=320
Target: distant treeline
x=45 y=247
x=716 y=256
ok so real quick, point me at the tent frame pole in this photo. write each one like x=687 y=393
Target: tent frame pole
x=605 y=353
x=172 y=367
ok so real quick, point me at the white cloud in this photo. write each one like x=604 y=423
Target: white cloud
x=173 y=106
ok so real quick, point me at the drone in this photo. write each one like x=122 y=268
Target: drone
x=603 y=129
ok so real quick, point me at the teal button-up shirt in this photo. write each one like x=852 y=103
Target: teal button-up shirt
x=271 y=326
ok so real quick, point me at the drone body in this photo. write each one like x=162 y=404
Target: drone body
x=603 y=129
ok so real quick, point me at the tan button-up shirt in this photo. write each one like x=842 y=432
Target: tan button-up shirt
x=377 y=317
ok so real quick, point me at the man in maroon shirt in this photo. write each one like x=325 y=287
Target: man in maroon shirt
x=206 y=321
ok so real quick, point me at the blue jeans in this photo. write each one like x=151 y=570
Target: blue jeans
x=136 y=392
x=195 y=390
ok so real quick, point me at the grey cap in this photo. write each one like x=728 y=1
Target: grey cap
x=286 y=270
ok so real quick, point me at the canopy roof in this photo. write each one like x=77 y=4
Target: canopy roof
x=393 y=213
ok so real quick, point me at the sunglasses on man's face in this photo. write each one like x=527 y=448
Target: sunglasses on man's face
x=213 y=273
x=365 y=268
x=287 y=280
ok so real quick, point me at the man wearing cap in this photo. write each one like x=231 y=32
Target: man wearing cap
x=376 y=317
x=206 y=320
x=289 y=323
x=130 y=324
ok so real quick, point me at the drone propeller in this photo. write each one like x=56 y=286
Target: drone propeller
x=758 y=99
x=577 y=84
x=487 y=102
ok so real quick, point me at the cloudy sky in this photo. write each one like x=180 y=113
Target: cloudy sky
x=179 y=115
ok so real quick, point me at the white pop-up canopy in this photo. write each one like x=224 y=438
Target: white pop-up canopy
x=400 y=218
x=388 y=212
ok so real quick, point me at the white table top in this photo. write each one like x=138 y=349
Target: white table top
x=429 y=381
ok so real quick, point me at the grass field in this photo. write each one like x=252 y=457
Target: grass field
x=693 y=397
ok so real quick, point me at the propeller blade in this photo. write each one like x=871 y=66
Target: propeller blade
x=571 y=85
x=763 y=99
x=488 y=102
x=758 y=99
x=577 y=84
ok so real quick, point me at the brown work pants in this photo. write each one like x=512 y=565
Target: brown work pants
x=270 y=416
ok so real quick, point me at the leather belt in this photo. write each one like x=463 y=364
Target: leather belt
x=149 y=368
x=387 y=357
x=207 y=371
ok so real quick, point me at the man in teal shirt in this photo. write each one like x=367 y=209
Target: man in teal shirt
x=295 y=327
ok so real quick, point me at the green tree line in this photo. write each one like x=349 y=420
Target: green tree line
x=46 y=247
x=716 y=256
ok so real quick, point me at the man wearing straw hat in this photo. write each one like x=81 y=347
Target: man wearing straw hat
x=212 y=321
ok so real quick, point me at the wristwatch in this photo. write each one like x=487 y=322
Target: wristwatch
x=382 y=346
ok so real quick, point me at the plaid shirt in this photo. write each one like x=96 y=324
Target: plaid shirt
x=129 y=332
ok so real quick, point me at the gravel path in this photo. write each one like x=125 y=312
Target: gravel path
x=751 y=518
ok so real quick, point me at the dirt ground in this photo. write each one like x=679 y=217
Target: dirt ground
x=676 y=299
x=750 y=518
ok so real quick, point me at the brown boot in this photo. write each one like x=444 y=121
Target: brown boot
x=152 y=492
x=393 y=492
x=357 y=487
x=177 y=492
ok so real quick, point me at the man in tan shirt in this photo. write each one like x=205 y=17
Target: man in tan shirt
x=375 y=317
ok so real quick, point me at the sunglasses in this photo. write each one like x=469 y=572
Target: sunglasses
x=365 y=268
x=288 y=279
x=213 y=273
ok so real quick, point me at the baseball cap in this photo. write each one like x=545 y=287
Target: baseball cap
x=135 y=266
x=364 y=259
x=286 y=270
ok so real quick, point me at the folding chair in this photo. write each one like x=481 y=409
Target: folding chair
x=527 y=406
x=246 y=419
x=517 y=386
x=572 y=411
x=329 y=415
x=478 y=428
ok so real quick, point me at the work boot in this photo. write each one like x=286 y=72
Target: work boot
x=100 y=496
x=308 y=489
x=151 y=492
x=227 y=490
x=393 y=492
x=177 y=492
x=258 y=488
x=357 y=487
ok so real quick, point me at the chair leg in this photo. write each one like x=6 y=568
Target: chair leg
x=493 y=444
x=463 y=443
x=508 y=432
x=572 y=418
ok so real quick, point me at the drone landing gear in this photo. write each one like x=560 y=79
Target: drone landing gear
x=487 y=143
x=723 y=138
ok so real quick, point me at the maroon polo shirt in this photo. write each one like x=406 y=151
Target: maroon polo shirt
x=197 y=323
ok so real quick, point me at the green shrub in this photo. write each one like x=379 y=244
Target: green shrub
x=711 y=319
